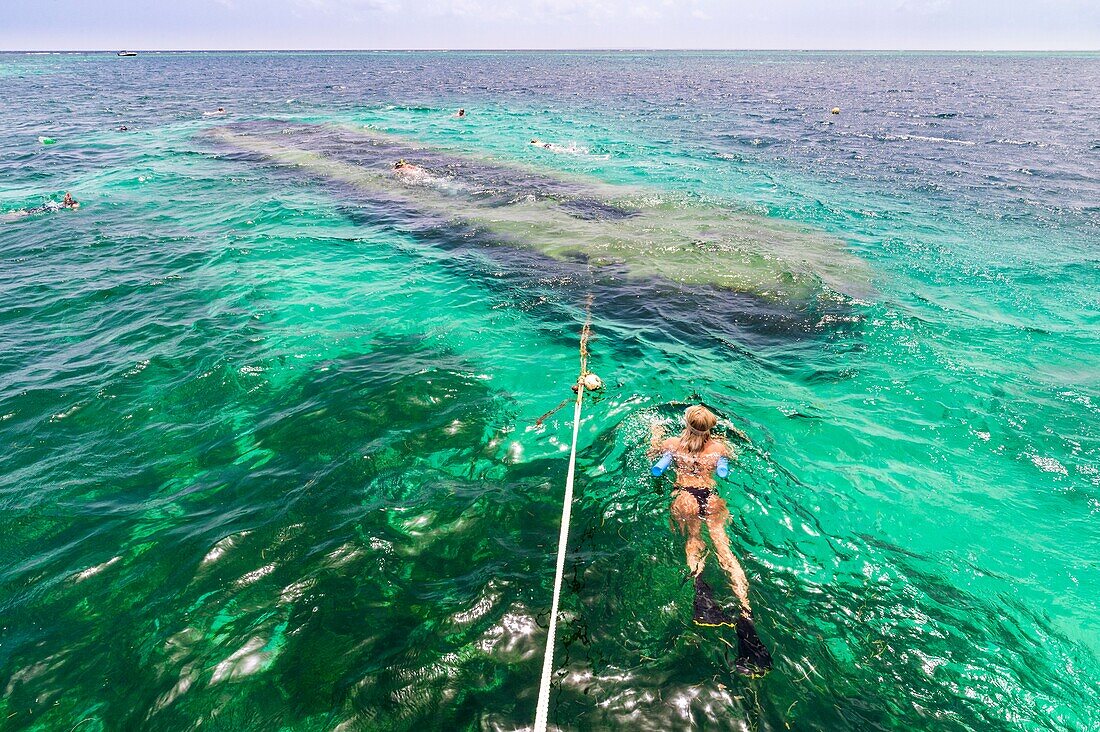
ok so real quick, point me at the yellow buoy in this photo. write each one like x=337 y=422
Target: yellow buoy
x=836 y=110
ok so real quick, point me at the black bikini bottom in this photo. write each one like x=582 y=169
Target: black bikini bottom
x=701 y=495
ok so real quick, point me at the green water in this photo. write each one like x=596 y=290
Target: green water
x=272 y=457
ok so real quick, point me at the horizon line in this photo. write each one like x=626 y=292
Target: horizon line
x=623 y=49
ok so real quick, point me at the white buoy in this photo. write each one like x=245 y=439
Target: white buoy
x=592 y=382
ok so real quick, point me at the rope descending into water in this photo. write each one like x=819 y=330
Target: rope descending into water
x=563 y=537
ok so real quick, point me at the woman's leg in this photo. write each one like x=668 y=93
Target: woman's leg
x=717 y=517
x=685 y=513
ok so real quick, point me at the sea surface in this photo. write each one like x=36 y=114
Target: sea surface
x=271 y=452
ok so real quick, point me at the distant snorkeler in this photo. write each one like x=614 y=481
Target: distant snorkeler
x=407 y=170
x=414 y=175
x=696 y=455
x=570 y=149
x=67 y=202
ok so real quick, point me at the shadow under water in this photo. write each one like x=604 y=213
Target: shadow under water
x=625 y=269
x=346 y=590
x=655 y=310
x=648 y=235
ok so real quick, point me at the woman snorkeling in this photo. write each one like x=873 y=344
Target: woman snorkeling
x=696 y=455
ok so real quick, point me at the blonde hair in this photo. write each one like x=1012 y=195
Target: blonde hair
x=698 y=422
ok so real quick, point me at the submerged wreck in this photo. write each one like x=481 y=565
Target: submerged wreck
x=629 y=232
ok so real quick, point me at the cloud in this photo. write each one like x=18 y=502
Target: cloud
x=922 y=24
x=334 y=7
x=923 y=7
x=458 y=8
x=563 y=11
x=645 y=12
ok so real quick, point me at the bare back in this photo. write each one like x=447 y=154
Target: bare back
x=695 y=470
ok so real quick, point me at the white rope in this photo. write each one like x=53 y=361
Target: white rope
x=563 y=540
x=543 y=706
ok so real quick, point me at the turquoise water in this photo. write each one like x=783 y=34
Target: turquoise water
x=273 y=461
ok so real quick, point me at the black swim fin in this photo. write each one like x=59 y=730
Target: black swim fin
x=709 y=613
x=753 y=658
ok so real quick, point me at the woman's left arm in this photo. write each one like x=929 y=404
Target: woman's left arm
x=656 y=439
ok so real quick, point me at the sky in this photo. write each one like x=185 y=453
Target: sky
x=550 y=24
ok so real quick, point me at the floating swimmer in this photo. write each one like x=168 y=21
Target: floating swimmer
x=216 y=113
x=415 y=175
x=696 y=455
x=410 y=172
x=461 y=113
x=67 y=202
x=570 y=149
